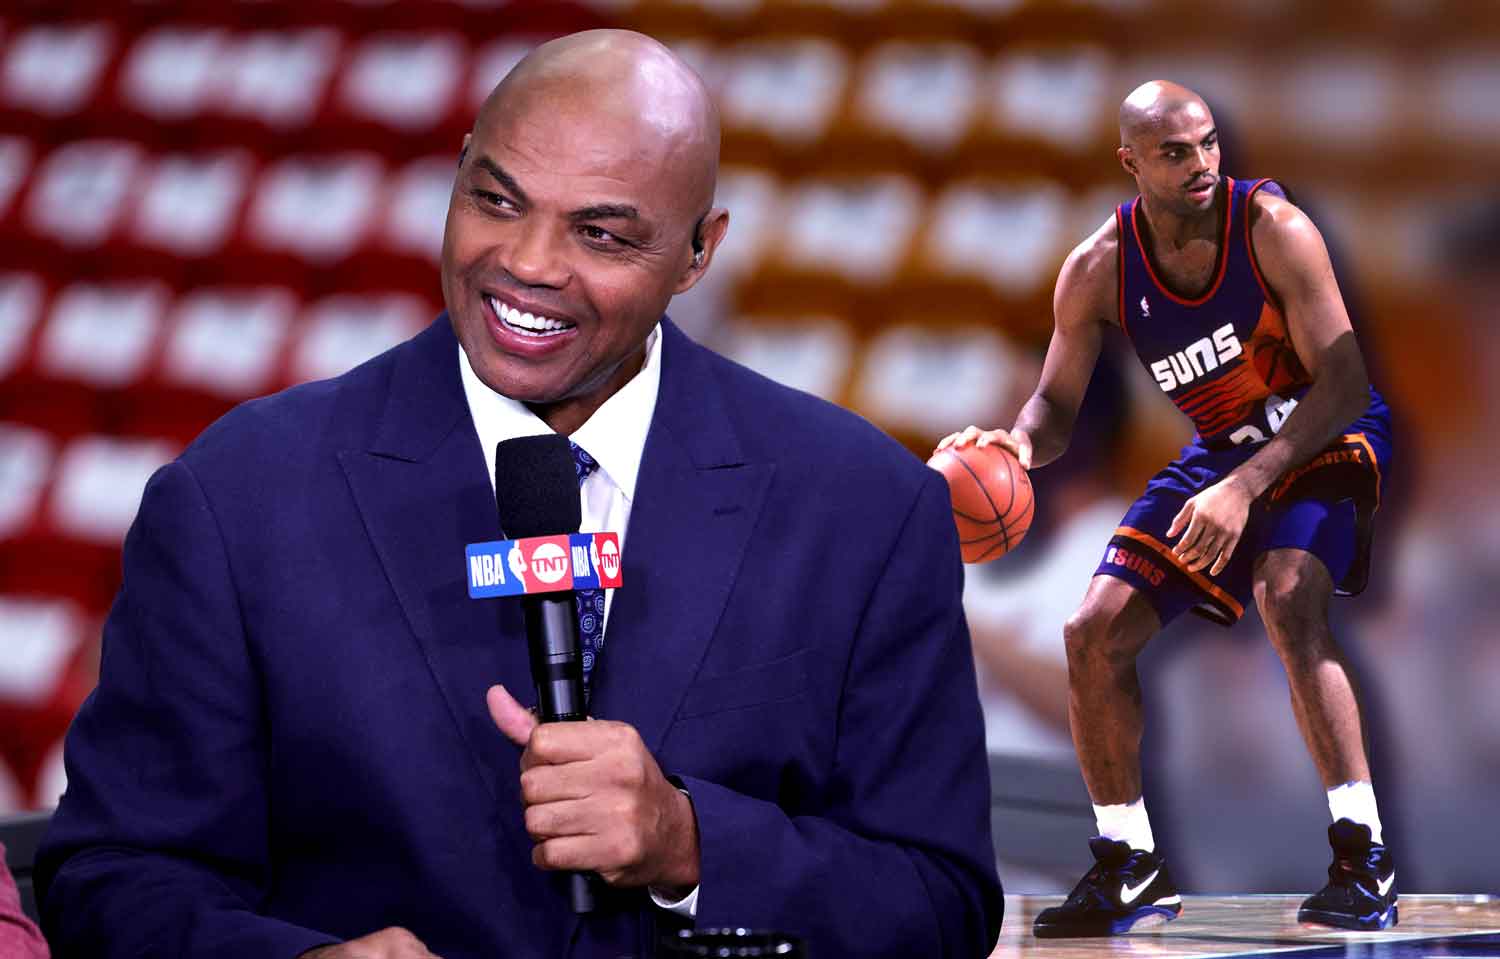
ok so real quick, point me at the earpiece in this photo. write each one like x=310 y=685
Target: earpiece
x=698 y=242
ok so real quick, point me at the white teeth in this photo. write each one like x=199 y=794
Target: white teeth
x=525 y=323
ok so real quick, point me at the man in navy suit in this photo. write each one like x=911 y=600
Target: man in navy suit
x=307 y=740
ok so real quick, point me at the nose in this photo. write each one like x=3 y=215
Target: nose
x=1203 y=158
x=534 y=257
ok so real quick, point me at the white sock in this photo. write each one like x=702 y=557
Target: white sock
x=1356 y=801
x=1127 y=823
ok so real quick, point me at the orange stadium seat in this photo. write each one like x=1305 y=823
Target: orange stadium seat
x=927 y=94
x=811 y=353
x=754 y=200
x=921 y=381
x=780 y=95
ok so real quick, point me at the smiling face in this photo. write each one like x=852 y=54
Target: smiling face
x=1170 y=145
x=572 y=220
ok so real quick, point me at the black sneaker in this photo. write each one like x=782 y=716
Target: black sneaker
x=1361 y=890
x=1125 y=888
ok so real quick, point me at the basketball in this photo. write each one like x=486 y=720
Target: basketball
x=992 y=499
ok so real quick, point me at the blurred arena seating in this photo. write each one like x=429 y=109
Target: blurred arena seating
x=201 y=203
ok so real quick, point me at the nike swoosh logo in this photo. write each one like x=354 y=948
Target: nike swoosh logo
x=1129 y=893
x=1384 y=885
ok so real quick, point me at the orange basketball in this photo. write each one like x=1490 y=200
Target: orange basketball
x=992 y=499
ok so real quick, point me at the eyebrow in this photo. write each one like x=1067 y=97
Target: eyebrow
x=505 y=180
x=598 y=211
x=605 y=211
x=1169 y=144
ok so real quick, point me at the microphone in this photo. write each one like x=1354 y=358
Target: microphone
x=536 y=494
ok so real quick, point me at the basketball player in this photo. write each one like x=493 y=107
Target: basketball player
x=1225 y=290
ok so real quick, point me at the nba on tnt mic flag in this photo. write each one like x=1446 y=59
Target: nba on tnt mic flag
x=543 y=564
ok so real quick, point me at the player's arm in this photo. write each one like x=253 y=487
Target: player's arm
x=1082 y=303
x=1294 y=263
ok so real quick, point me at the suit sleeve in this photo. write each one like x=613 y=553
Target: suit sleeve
x=160 y=844
x=900 y=862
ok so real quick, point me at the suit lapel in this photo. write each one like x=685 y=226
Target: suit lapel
x=423 y=491
x=696 y=503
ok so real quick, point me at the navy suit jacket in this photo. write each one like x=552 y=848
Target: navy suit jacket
x=289 y=742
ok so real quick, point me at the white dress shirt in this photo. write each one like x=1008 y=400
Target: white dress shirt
x=615 y=436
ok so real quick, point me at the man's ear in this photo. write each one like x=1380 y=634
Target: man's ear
x=1127 y=160
x=707 y=236
x=463 y=151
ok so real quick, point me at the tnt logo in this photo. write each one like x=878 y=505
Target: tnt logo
x=1136 y=563
x=549 y=562
x=606 y=551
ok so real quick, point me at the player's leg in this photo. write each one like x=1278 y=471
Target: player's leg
x=1128 y=884
x=1103 y=639
x=1292 y=588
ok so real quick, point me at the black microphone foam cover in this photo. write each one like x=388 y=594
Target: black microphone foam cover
x=536 y=486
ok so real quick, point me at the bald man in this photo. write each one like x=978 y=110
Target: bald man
x=1224 y=289
x=308 y=740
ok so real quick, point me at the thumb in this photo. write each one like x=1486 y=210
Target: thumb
x=1023 y=448
x=512 y=719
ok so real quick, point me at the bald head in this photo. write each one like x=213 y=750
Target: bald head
x=1153 y=107
x=1170 y=146
x=581 y=206
x=619 y=76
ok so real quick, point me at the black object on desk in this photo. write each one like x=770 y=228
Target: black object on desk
x=731 y=943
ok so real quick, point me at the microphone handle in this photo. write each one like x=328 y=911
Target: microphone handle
x=556 y=659
x=557 y=670
x=581 y=892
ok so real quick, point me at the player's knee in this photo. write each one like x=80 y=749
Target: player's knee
x=1097 y=636
x=1292 y=604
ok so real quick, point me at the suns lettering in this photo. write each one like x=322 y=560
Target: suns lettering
x=1136 y=563
x=1201 y=357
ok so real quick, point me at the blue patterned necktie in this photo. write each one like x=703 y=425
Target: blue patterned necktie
x=590 y=602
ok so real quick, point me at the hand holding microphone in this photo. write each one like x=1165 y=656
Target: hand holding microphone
x=596 y=800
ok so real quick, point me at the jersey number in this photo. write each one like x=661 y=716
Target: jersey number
x=1277 y=410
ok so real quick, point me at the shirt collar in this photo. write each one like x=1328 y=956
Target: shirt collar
x=615 y=436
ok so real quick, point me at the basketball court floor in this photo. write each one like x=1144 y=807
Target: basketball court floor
x=1242 y=926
